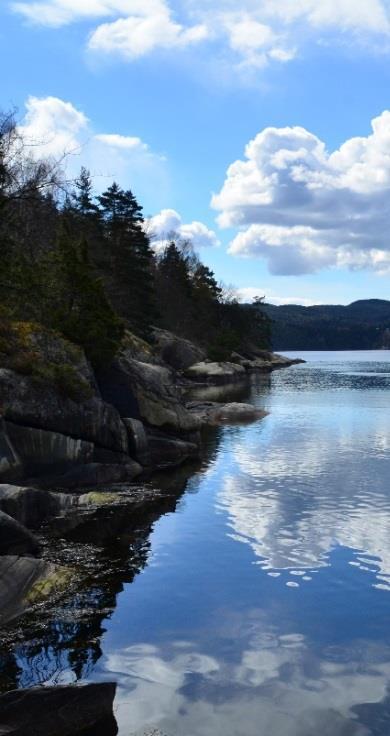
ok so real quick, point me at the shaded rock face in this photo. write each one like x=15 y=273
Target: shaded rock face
x=93 y=474
x=15 y=539
x=40 y=450
x=167 y=451
x=59 y=711
x=215 y=373
x=11 y=467
x=146 y=391
x=25 y=581
x=176 y=351
x=29 y=404
x=32 y=506
x=138 y=441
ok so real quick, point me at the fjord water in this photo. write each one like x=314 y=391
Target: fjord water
x=263 y=608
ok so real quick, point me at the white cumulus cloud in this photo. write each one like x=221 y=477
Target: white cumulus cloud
x=168 y=223
x=53 y=127
x=144 y=32
x=304 y=209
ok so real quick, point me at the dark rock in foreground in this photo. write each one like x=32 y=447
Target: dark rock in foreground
x=25 y=581
x=15 y=539
x=94 y=474
x=85 y=710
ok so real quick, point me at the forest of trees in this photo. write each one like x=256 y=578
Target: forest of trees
x=85 y=266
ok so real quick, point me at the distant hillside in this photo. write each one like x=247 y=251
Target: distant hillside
x=363 y=325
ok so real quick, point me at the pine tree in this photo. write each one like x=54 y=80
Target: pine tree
x=83 y=196
x=130 y=259
x=175 y=292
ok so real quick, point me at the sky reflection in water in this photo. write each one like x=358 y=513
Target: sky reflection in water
x=264 y=607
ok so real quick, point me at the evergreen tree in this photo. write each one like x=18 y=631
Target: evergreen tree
x=81 y=310
x=129 y=259
x=174 y=291
x=83 y=197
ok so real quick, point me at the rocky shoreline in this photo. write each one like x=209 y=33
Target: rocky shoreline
x=73 y=443
x=63 y=425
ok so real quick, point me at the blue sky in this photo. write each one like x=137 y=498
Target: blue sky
x=246 y=127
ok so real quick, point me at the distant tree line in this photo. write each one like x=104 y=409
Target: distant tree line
x=84 y=265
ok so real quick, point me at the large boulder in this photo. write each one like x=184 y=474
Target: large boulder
x=15 y=539
x=176 y=351
x=147 y=392
x=11 y=467
x=68 y=710
x=26 y=581
x=33 y=404
x=215 y=373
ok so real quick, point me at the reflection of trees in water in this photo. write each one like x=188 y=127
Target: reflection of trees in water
x=63 y=645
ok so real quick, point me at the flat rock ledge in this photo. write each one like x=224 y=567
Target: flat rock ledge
x=216 y=374
x=212 y=413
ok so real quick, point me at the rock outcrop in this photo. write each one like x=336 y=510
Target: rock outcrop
x=175 y=351
x=62 y=424
x=34 y=405
x=146 y=391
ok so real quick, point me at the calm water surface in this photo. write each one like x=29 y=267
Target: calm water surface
x=263 y=608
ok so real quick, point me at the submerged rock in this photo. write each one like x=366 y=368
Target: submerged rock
x=74 y=710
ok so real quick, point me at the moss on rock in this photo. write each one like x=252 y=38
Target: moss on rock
x=57 y=580
x=32 y=350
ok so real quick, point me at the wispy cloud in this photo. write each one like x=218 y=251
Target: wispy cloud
x=249 y=34
x=53 y=127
